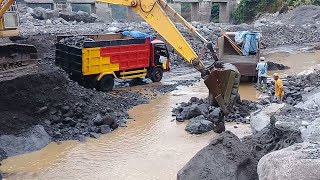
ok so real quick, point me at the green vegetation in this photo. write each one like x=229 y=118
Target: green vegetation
x=186 y=11
x=215 y=13
x=247 y=10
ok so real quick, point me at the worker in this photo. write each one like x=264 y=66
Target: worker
x=163 y=61
x=278 y=91
x=262 y=68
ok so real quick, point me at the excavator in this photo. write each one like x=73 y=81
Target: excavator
x=222 y=79
x=15 y=59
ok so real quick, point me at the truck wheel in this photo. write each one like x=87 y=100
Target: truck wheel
x=106 y=83
x=156 y=74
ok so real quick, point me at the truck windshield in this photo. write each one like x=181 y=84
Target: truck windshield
x=161 y=50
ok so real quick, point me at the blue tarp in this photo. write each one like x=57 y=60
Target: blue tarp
x=249 y=41
x=137 y=34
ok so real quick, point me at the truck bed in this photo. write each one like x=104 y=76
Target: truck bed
x=245 y=64
x=238 y=59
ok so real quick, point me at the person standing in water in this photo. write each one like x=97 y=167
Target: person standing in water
x=262 y=68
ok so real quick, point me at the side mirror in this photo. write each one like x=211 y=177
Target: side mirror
x=172 y=51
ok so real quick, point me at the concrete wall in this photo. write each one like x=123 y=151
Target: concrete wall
x=201 y=9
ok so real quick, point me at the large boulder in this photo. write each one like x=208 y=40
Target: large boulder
x=199 y=125
x=271 y=139
x=297 y=162
x=261 y=119
x=312 y=132
x=35 y=139
x=225 y=158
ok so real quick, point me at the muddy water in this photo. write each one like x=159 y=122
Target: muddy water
x=151 y=147
x=298 y=62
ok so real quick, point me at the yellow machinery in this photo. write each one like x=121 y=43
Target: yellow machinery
x=221 y=79
x=15 y=59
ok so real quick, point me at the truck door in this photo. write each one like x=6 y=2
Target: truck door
x=161 y=56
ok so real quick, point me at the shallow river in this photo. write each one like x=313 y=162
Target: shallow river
x=151 y=147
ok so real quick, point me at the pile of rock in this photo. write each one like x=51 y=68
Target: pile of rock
x=40 y=16
x=64 y=108
x=228 y=157
x=306 y=14
x=294 y=87
x=76 y=41
x=203 y=117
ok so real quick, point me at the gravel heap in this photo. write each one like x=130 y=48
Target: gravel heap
x=76 y=41
x=64 y=108
x=199 y=112
x=306 y=14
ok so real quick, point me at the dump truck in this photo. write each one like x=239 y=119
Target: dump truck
x=97 y=62
x=232 y=50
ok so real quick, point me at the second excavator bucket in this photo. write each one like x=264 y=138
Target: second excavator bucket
x=17 y=60
x=223 y=84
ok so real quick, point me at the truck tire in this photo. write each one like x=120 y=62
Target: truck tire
x=106 y=83
x=156 y=74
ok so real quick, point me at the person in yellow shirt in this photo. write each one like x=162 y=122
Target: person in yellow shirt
x=279 y=91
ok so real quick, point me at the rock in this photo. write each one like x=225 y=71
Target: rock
x=215 y=115
x=108 y=120
x=35 y=139
x=297 y=162
x=115 y=125
x=42 y=110
x=194 y=111
x=225 y=158
x=105 y=129
x=94 y=135
x=113 y=29
x=55 y=119
x=194 y=99
x=199 y=125
x=312 y=132
x=82 y=138
x=57 y=135
x=98 y=120
x=49 y=22
x=261 y=118
x=271 y=139
x=65 y=109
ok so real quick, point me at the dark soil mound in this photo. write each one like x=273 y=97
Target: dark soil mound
x=21 y=98
x=63 y=107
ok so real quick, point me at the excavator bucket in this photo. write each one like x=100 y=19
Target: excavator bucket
x=17 y=60
x=223 y=84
